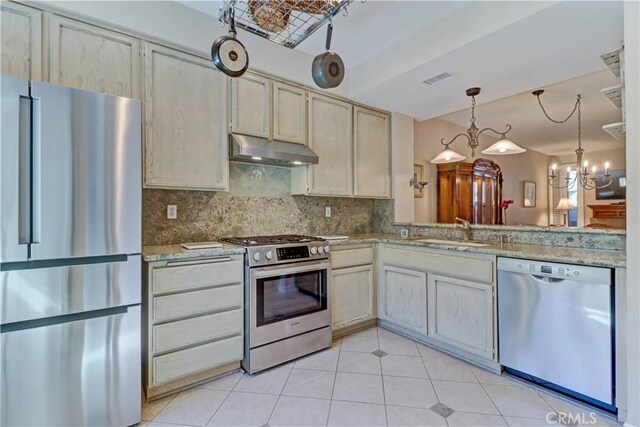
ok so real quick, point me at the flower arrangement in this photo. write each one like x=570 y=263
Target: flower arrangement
x=504 y=205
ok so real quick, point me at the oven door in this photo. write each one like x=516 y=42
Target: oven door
x=287 y=300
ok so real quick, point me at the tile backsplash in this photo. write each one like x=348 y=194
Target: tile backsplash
x=259 y=202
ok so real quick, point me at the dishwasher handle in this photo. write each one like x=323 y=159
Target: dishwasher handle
x=546 y=279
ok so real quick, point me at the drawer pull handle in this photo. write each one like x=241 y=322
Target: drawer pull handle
x=198 y=261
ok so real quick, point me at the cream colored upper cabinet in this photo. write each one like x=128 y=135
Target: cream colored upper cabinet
x=371 y=154
x=20 y=41
x=185 y=122
x=251 y=105
x=93 y=58
x=330 y=127
x=289 y=113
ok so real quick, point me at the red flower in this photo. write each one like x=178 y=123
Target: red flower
x=505 y=204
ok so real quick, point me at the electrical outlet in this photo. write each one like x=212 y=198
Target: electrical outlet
x=172 y=211
x=327 y=212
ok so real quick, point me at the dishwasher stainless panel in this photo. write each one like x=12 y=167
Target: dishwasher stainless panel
x=556 y=324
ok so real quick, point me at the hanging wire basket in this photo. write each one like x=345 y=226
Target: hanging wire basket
x=286 y=22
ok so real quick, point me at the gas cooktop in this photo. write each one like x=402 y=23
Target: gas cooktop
x=281 y=239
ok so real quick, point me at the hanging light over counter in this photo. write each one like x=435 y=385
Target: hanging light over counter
x=503 y=147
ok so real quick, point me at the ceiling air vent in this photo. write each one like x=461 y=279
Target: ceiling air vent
x=442 y=77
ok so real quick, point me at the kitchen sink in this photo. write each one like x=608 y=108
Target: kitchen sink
x=452 y=242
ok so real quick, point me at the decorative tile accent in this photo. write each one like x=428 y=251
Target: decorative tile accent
x=379 y=353
x=442 y=410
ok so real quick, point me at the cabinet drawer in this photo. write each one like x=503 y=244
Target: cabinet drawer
x=172 y=279
x=453 y=265
x=351 y=257
x=196 y=302
x=174 y=335
x=173 y=366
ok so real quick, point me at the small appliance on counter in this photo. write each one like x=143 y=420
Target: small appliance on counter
x=287 y=298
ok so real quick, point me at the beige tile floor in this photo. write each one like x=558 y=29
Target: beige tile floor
x=372 y=378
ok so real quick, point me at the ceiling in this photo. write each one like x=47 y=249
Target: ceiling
x=506 y=47
x=531 y=129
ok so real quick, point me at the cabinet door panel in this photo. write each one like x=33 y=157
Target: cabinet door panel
x=403 y=297
x=173 y=366
x=461 y=314
x=93 y=58
x=330 y=128
x=20 y=41
x=251 y=105
x=352 y=295
x=372 y=154
x=289 y=113
x=185 y=114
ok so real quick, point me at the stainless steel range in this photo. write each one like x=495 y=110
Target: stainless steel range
x=287 y=298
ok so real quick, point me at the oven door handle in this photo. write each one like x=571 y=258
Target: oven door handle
x=279 y=270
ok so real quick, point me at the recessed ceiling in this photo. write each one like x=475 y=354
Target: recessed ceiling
x=533 y=130
x=506 y=47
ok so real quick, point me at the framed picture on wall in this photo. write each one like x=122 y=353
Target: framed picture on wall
x=529 y=194
x=418 y=176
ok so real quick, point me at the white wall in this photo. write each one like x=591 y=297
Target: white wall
x=178 y=24
x=529 y=166
x=632 y=114
x=402 y=153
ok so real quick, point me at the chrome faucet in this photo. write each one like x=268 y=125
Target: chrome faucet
x=466 y=227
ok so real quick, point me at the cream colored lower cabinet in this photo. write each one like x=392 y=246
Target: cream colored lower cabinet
x=442 y=298
x=461 y=314
x=193 y=322
x=403 y=298
x=353 y=286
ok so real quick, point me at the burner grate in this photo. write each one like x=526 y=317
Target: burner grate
x=270 y=240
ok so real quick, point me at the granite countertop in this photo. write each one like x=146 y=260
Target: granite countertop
x=594 y=257
x=173 y=252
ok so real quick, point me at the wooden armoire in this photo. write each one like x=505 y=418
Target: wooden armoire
x=471 y=191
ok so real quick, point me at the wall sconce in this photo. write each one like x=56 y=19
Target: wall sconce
x=417 y=185
x=417 y=182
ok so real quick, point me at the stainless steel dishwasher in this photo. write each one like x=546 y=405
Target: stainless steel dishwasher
x=556 y=327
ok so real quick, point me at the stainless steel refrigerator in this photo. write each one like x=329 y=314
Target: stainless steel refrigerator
x=70 y=242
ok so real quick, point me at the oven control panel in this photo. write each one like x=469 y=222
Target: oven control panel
x=279 y=254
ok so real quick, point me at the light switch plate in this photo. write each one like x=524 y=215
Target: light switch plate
x=327 y=212
x=172 y=211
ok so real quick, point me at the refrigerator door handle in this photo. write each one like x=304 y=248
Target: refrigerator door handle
x=36 y=168
x=24 y=171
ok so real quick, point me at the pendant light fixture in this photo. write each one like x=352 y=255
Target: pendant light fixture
x=503 y=147
x=582 y=176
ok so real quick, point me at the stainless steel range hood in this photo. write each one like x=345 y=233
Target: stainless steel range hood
x=250 y=149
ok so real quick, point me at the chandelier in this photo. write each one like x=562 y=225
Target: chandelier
x=583 y=176
x=502 y=147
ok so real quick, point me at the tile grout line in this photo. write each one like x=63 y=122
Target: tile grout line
x=335 y=377
x=384 y=395
x=490 y=398
x=173 y=396
x=280 y=395
x=220 y=406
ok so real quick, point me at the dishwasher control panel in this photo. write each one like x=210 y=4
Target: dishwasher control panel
x=556 y=270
